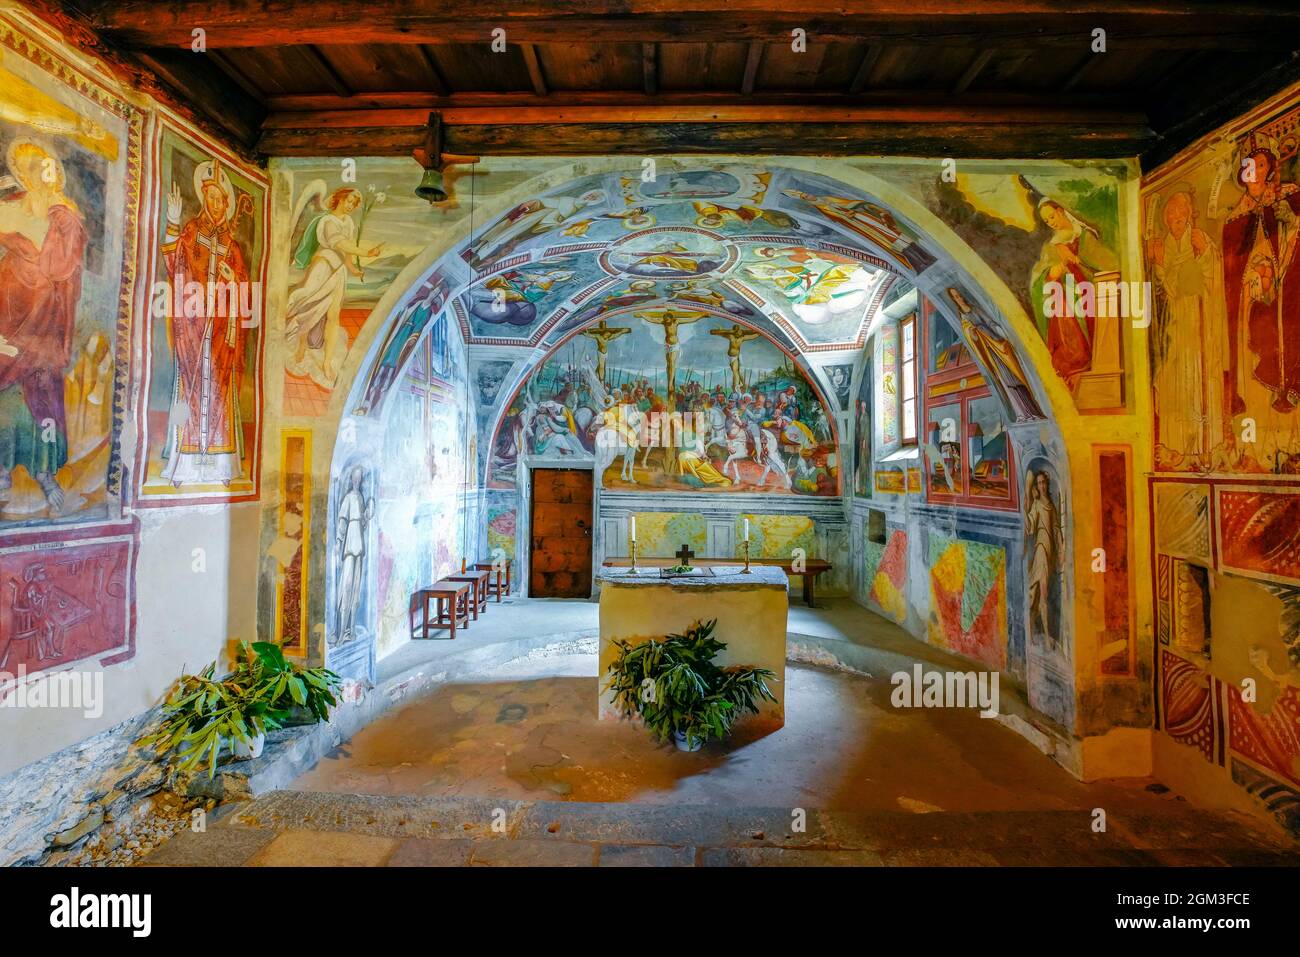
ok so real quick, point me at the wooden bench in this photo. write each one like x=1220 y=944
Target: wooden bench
x=478 y=582
x=812 y=567
x=452 y=601
x=495 y=586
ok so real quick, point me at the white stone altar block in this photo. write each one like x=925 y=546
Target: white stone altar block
x=751 y=611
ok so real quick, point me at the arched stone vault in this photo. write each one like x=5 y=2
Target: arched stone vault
x=944 y=260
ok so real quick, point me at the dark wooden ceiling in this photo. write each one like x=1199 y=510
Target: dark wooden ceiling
x=1013 y=78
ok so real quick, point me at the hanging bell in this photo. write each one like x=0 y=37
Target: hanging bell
x=430 y=188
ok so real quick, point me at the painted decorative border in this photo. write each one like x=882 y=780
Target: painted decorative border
x=1285 y=567
x=294 y=643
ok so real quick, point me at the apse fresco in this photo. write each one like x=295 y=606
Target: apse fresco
x=673 y=399
x=773 y=247
x=203 y=419
x=69 y=186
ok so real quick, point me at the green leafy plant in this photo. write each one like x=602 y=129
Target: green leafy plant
x=682 y=569
x=281 y=683
x=202 y=714
x=675 y=688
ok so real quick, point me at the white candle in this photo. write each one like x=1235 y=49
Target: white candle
x=746 y=529
x=634 y=528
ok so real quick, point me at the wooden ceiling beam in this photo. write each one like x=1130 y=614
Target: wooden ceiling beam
x=970 y=131
x=436 y=83
x=535 y=75
x=753 y=60
x=713 y=99
x=972 y=72
x=194 y=85
x=739 y=112
x=326 y=70
x=970 y=140
x=650 y=68
x=869 y=60
x=1208 y=24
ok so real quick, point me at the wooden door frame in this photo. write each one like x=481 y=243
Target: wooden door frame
x=524 y=518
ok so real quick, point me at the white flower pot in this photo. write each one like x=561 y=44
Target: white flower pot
x=246 y=752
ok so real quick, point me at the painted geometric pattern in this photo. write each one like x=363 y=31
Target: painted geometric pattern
x=886 y=571
x=1271 y=739
x=1282 y=801
x=1164 y=598
x=1183 y=521
x=660 y=534
x=501 y=531
x=777 y=536
x=1186 y=691
x=968 y=596
x=1260 y=532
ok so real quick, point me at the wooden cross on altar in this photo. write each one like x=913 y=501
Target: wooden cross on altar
x=685 y=554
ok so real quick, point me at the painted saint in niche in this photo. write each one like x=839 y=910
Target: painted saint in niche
x=42 y=248
x=352 y=526
x=205 y=435
x=1075 y=250
x=329 y=252
x=1045 y=543
x=998 y=357
x=1262 y=293
x=1189 y=342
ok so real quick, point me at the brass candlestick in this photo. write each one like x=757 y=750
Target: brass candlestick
x=745 y=570
x=632 y=570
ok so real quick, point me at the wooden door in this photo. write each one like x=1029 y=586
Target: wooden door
x=559 y=563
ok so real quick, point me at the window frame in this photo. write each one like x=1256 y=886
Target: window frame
x=910 y=321
x=960 y=385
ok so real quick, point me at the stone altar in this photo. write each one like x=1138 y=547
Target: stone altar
x=751 y=610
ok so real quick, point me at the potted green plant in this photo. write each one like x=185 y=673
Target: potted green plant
x=204 y=717
x=297 y=695
x=678 y=692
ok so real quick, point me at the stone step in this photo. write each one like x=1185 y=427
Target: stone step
x=360 y=828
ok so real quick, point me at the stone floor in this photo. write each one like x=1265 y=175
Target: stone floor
x=513 y=768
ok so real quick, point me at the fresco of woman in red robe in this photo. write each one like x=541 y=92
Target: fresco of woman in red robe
x=1261 y=289
x=40 y=286
x=205 y=434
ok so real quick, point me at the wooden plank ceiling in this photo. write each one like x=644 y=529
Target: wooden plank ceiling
x=921 y=77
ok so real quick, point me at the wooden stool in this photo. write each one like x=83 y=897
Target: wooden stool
x=452 y=600
x=478 y=582
x=494 y=584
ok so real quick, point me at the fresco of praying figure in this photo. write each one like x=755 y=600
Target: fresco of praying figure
x=328 y=251
x=41 y=264
x=1075 y=249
